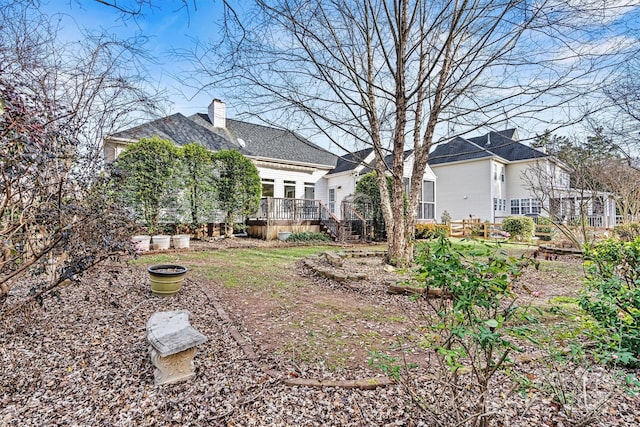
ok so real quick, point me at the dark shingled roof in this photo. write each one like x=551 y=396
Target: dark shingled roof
x=248 y=138
x=456 y=150
x=498 y=144
x=351 y=161
x=180 y=130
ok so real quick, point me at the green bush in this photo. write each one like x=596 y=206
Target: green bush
x=612 y=296
x=431 y=231
x=472 y=329
x=545 y=225
x=307 y=236
x=627 y=232
x=519 y=227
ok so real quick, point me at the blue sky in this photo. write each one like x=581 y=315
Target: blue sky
x=170 y=26
x=167 y=24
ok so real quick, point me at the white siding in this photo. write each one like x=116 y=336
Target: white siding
x=517 y=185
x=344 y=185
x=280 y=174
x=464 y=189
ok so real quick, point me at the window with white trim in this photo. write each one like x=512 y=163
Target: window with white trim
x=309 y=190
x=290 y=189
x=526 y=206
x=268 y=186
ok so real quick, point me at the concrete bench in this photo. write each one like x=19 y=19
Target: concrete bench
x=172 y=345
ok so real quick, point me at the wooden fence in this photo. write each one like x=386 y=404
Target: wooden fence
x=489 y=230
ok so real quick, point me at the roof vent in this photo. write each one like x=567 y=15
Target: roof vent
x=241 y=142
x=489 y=139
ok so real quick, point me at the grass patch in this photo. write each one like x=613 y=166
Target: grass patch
x=258 y=268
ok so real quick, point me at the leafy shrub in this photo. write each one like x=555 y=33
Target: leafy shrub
x=307 y=236
x=545 y=225
x=431 y=231
x=612 y=296
x=627 y=232
x=519 y=227
x=471 y=331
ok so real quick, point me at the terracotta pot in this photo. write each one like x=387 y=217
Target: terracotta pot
x=166 y=279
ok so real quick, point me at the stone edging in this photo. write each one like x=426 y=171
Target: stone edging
x=336 y=260
x=247 y=349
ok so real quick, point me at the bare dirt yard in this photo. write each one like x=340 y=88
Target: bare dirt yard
x=79 y=355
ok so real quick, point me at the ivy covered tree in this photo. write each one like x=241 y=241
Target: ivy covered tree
x=147 y=176
x=237 y=186
x=199 y=182
x=367 y=192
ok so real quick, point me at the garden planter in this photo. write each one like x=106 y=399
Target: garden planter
x=181 y=241
x=161 y=242
x=284 y=235
x=141 y=243
x=166 y=279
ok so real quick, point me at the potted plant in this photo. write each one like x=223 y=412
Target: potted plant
x=166 y=279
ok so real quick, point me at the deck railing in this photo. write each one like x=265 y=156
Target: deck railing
x=357 y=223
x=329 y=220
x=272 y=208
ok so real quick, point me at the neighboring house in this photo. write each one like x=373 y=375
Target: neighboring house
x=342 y=180
x=490 y=177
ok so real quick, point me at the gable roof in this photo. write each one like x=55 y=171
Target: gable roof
x=250 y=139
x=351 y=161
x=180 y=130
x=503 y=144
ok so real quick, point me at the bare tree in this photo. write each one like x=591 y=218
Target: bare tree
x=57 y=102
x=621 y=120
x=398 y=75
x=571 y=183
x=623 y=180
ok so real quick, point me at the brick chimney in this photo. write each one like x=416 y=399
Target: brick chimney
x=218 y=113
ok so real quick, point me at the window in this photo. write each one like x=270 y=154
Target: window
x=515 y=207
x=495 y=203
x=332 y=200
x=267 y=187
x=536 y=206
x=495 y=172
x=407 y=184
x=526 y=207
x=290 y=189
x=503 y=205
x=309 y=190
x=502 y=173
x=427 y=205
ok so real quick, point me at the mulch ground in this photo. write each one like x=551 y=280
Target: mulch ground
x=81 y=358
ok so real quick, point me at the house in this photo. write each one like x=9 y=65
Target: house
x=493 y=176
x=342 y=180
x=303 y=185
x=289 y=165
